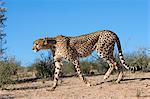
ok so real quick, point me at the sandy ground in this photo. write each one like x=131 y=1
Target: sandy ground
x=133 y=86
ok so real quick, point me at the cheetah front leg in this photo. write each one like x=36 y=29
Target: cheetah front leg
x=58 y=64
x=77 y=66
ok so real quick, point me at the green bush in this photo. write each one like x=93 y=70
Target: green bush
x=138 y=58
x=68 y=68
x=7 y=69
x=85 y=67
x=44 y=67
x=101 y=66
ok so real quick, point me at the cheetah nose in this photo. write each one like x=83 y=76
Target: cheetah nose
x=32 y=48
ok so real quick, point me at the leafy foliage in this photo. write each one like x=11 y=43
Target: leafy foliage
x=44 y=66
x=67 y=69
x=7 y=69
x=139 y=58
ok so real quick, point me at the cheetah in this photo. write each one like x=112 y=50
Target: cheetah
x=74 y=48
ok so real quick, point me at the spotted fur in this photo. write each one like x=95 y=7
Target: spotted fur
x=74 y=48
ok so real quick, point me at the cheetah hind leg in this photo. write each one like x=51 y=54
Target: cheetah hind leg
x=112 y=65
x=120 y=74
x=106 y=76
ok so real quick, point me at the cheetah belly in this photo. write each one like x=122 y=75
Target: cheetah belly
x=84 y=50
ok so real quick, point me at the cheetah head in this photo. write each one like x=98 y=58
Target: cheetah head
x=43 y=43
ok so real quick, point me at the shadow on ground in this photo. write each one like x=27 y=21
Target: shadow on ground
x=45 y=86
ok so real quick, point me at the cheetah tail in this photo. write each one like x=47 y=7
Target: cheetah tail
x=135 y=68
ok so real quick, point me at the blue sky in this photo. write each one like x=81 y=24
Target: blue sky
x=29 y=20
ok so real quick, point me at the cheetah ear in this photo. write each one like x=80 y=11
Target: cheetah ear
x=49 y=41
x=52 y=41
x=45 y=40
